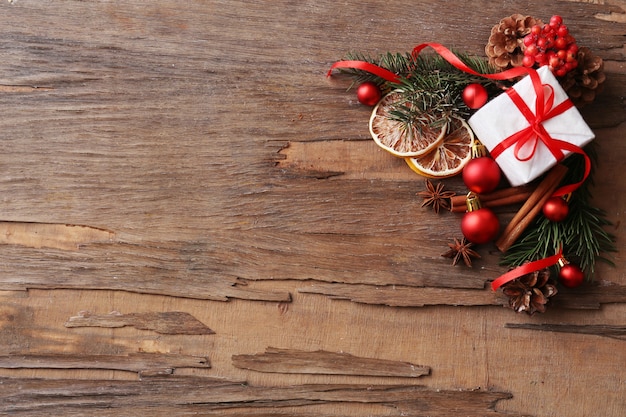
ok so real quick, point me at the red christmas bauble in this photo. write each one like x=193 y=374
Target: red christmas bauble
x=481 y=175
x=555 y=209
x=480 y=226
x=571 y=276
x=475 y=96
x=368 y=93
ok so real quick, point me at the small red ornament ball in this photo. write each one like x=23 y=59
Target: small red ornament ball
x=481 y=175
x=368 y=93
x=480 y=226
x=555 y=209
x=571 y=276
x=475 y=96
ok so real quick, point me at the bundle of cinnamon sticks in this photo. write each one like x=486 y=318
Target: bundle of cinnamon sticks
x=533 y=203
x=498 y=198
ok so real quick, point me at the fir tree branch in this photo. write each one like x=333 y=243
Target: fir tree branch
x=408 y=67
x=433 y=87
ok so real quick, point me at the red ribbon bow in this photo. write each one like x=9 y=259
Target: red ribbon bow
x=536 y=132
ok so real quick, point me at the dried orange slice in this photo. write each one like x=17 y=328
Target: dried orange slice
x=403 y=139
x=449 y=158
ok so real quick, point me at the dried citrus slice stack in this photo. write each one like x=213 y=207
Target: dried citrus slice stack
x=451 y=154
x=403 y=139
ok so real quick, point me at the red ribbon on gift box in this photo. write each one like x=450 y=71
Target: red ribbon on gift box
x=536 y=132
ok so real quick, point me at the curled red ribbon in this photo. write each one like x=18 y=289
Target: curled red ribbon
x=366 y=66
x=526 y=269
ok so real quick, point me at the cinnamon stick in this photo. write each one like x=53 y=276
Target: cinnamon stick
x=531 y=208
x=497 y=198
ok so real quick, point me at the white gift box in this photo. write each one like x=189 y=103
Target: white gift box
x=501 y=118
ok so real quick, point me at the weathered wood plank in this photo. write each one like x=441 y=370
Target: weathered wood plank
x=169 y=322
x=218 y=269
x=291 y=361
x=177 y=269
x=205 y=137
x=592 y=296
x=188 y=394
x=144 y=363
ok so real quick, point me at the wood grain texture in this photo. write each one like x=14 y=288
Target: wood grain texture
x=205 y=395
x=169 y=322
x=173 y=269
x=203 y=145
x=290 y=361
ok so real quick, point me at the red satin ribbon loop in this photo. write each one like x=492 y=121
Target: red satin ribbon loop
x=460 y=65
x=366 y=66
x=526 y=269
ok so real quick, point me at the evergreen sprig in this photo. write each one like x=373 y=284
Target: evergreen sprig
x=407 y=66
x=427 y=101
x=582 y=234
x=432 y=86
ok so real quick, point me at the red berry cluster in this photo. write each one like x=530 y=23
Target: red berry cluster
x=551 y=45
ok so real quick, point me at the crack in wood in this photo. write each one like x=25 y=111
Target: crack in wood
x=51 y=235
x=587 y=297
x=4 y=88
x=615 y=332
x=402 y=296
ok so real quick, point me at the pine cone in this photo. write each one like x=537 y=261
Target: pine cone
x=583 y=83
x=531 y=292
x=505 y=47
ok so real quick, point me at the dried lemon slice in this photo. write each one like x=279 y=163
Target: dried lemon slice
x=450 y=156
x=402 y=139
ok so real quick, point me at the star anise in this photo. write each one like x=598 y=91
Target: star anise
x=435 y=196
x=531 y=292
x=461 y=250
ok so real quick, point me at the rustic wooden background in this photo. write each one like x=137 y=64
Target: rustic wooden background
x=195 y=221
